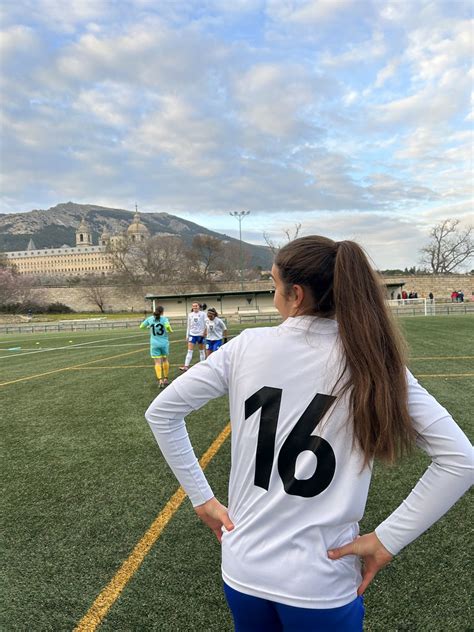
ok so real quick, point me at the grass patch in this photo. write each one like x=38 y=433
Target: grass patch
x=83 y=480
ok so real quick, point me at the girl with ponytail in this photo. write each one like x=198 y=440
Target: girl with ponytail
x=312 y=403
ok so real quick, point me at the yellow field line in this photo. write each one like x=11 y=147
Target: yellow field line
x=102 y=368
x=111 y=592
x=119 y=366
x=445 y=375
x=68 y=368
x=444 y=358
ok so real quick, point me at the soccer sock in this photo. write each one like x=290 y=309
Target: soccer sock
x=158 y=371
x=166 y=367
x=202 y=355
x=189 y=357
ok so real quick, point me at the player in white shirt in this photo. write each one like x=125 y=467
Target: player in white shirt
x=196 y=326
x=216 y=331
x=306 y=427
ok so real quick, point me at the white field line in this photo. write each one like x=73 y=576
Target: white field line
x=81 y=344
x=27 y=338
x=6 y=343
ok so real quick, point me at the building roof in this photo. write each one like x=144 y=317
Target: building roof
x=151 y=297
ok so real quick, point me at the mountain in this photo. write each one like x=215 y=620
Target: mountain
x=57 y=225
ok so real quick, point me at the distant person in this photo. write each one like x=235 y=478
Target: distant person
x=195 y=329
x=159 y=327
x=460 y=297
x=431 y=296
x=404 y=295
x=312 y=402
x=454 y=296
x=216 y=331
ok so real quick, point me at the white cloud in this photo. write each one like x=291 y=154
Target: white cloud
x=306 y=11
x=347 y=115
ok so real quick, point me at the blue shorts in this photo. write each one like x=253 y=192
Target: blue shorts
x=196 y=340
x=253 y=614
x=213 y=345
x=159 y=350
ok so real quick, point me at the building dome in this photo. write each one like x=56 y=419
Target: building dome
x=137 y=231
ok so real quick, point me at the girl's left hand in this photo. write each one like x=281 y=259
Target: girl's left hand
x=372 y=552
x=215 y=516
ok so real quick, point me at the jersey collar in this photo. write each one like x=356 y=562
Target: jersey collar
x=312 y=324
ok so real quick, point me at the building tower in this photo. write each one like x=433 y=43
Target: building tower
x=83 y=234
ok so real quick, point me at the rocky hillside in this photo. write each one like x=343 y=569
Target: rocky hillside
x=57 y=226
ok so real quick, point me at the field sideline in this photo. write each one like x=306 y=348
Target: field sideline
x=87 y=493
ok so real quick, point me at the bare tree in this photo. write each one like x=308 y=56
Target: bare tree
x=205 y=257
x=159 y=259
x=290 y=234
x=95 y=291
x=120 y=254
x=450 y=247
x=14 y=288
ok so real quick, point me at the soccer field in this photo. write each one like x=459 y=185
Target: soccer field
x=83 y=482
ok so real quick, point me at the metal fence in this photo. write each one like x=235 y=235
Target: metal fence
x=399 y=308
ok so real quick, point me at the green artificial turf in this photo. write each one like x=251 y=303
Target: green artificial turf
x=82 y=480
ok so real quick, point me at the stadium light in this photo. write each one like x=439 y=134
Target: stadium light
x=239 y=215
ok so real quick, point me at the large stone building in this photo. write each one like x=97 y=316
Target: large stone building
x=80 y=260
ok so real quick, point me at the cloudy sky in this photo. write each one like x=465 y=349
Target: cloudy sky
x=351 y=117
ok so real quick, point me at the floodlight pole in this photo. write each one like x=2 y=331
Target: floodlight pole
x=239 y=215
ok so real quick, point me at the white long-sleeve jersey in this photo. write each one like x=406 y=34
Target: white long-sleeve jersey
x=297 y=484
x=196 y=324
x=215 y=328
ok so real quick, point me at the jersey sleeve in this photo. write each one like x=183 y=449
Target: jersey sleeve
x=145 y=324
x=168 y=326
x=447 y=478
x=203 y=382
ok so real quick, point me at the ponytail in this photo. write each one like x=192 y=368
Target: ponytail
x=374 y=357
x=343 y=285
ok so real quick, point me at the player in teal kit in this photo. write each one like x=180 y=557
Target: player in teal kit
x=159 y=327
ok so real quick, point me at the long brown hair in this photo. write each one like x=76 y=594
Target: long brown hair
x=344 y=285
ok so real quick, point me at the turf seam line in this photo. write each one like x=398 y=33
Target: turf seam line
x=107 y=597
x=68 y=368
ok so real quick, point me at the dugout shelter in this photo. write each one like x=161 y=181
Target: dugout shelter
x=227 y=303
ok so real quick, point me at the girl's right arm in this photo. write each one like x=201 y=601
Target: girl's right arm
x=165 y=415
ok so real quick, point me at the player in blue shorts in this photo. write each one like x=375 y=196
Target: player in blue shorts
x=159 y=327
x=195 y=329
x=216 y=332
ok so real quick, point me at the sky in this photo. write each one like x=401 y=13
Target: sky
x=352 y=118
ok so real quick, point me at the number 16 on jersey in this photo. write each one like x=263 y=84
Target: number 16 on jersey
x=268 y=399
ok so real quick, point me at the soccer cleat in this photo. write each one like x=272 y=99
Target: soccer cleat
x=183 y=368
x=161 y=383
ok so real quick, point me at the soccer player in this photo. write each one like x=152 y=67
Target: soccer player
x=159 y=327
x=216 y=331
x=195 y=334
x=312 y=402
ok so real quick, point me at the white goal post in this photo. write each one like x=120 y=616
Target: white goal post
x=424 y=306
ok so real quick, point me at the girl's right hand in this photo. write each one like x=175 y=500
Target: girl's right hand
x=215 y=516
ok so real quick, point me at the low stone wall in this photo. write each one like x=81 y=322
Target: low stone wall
x=132 y=299
x=440 y=285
